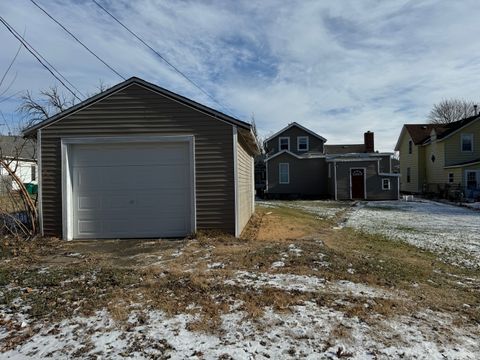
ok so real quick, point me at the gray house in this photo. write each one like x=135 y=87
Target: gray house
x=299 y=164
x=138 y=161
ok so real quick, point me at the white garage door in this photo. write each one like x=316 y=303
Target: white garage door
x=131 y=190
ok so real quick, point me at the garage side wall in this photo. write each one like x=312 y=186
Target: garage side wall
x=245 y=186
x=136 y=110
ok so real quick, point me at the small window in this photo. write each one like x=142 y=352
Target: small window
x=33 y=172
x=410 y=146
x=283 y=173
x=284 y=143
x=302 y=143
x=467 y=142
x=451 y=178
x=385 y=184
x=408 y=175
x=432 y=158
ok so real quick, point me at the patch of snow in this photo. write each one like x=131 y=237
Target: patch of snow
x=451 y=231
x=307 y=331
x=304 y=283
x=217 y=265
x=295 y=250
x=278 y=264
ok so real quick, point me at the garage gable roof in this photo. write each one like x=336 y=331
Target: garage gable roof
x=31 y=131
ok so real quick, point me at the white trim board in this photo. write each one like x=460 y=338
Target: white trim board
x=284 y=152
x=280 y=143
x=300 y=127
x=364 y=180
x=298 y=143
x=461 y=165
x=39 y=170
x=66 y=142
x=235 y=179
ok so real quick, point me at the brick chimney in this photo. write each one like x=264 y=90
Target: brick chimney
x=369 y=142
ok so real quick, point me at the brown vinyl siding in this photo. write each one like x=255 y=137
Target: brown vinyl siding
x=315 y=145
x=135 y=110
x=245 y=188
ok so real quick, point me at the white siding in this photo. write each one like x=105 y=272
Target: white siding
x=245 y=206
x=23 y=169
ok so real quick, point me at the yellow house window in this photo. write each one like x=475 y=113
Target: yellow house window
x=451 y=178
x=467 y=142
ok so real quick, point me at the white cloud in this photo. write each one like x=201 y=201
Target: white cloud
x=340 y=68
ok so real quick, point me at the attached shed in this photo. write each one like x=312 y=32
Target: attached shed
x=138 y=161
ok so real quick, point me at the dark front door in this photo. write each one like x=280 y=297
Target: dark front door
x=358 y=183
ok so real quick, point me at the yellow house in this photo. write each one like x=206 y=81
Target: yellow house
x=434 y=157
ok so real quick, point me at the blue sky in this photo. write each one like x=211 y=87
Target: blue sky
x=338 y=67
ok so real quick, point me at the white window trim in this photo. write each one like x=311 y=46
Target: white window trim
x=280 y=142
x=383 y=183
x=364 y=181
x=453 y=178
x=462 y=136
x=298 y=143
x=477 y=177
x=280 y=172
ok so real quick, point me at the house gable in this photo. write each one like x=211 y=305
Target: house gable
x=295 y=133
x=453 y=144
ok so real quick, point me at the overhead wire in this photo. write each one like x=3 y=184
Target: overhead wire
x=178 y=71
x=78 y=40
x=61 y=79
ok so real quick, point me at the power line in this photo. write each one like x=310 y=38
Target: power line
x=39 y=57
x=77 y=40
x=160 y=56
x=24 y=41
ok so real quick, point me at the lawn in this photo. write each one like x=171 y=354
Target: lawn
x=298 y=284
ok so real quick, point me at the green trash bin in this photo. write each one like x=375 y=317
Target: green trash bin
x=31 y=188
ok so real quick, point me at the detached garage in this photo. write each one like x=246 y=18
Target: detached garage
x=138 y=161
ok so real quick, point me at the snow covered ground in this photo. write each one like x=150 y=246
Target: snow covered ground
x=451 y=231
x=309 y=330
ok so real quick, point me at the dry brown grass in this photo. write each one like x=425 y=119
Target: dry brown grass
x=174 y=276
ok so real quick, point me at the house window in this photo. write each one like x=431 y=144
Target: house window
x=283 y=173
x=408 y=175
x=284 y=143
x=33 y=172
x=451 y=178
x=467 y=142
x=410 y=146
x=302 y=143
x=329 y=170
x=472 y=182
x=385 y=184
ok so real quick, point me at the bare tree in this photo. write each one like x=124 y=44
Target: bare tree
x=50 y=102
x=450 y=110
x=18 y=211
x=258 y=138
